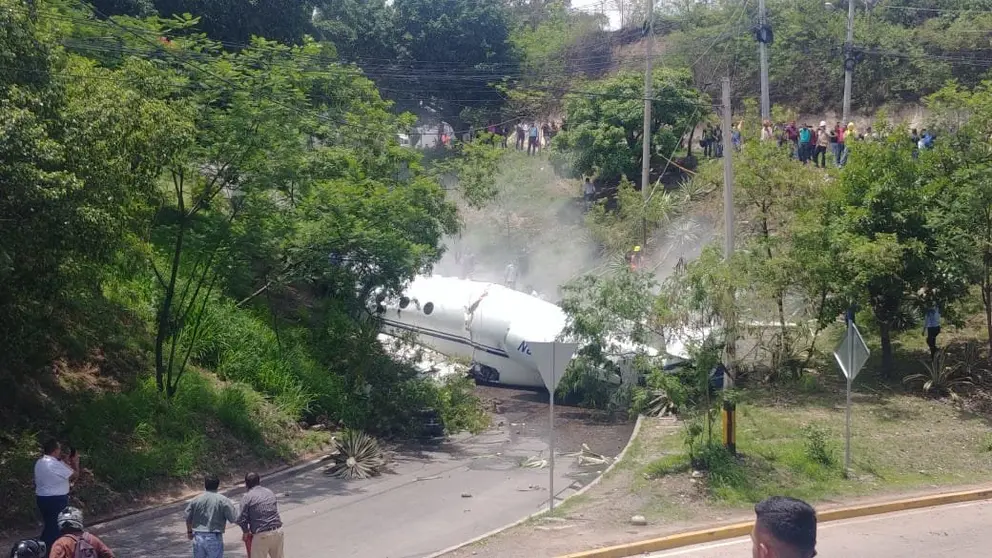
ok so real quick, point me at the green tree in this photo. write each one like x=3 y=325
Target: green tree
x=889 y=250
x=613 y=319
x=772 y=188
x=81 y=153
x=451 y=54
x=960 y=184
x=602 y=133
x=362 y=31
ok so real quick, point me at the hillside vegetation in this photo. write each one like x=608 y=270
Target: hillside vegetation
x=190 y=238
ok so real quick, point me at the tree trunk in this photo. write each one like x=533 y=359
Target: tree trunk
x=987 y=301
x=885 y=333
x=165 y=311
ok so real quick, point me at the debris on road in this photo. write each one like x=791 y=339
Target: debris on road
x=586 y=456
x=639 y=520
x=534 y=463
x=435 y=477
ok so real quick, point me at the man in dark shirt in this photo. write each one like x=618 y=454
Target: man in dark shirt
x=260 y=521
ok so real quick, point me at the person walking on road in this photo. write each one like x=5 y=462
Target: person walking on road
x=52 y=478
x=207 y=517
x=260 y=521
x=74 y=541
x=783 y=528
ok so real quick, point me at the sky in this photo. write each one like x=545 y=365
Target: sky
x=597 y=6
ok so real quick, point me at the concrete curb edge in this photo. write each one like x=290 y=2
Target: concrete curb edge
x=581 y=491
x=735 y=530
x=175 y=506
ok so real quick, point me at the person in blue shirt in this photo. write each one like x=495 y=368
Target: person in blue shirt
x=931 y=328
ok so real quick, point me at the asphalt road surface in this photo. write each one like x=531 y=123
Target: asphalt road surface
x=433 y=497
x=957 y=530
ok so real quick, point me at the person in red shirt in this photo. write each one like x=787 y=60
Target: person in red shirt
x=839 y=144
x=73 y=534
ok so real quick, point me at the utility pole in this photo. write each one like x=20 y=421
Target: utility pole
x=764 y=36
x=729 y=408
x=648 y=78
x=728 y=172
x=848 y=62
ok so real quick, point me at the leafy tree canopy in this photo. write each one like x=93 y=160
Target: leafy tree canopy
x=603 y=127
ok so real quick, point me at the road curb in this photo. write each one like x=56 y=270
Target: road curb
x=176 y=506
x=581 y=491
x=735 y=530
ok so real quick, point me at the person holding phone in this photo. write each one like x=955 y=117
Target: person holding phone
x=52 y=475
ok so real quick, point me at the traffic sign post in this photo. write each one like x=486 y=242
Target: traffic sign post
x=851 y=355
x=552 y=358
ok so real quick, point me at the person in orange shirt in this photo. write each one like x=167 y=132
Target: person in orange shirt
x=73 y=535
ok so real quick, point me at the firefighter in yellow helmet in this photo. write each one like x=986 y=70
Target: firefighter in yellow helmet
x=635 y=258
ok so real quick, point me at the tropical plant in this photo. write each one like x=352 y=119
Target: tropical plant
x=941 y=377
x=358 y=457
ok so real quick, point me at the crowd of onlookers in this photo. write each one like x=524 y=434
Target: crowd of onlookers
x=64 y=534
x=816 y=144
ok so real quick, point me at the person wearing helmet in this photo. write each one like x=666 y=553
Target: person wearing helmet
x=74 y=541
x=635 y=258
x=29 y=548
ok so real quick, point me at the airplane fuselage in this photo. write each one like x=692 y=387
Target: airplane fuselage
x=486 y=324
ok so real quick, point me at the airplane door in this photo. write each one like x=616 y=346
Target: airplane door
x=487 y=324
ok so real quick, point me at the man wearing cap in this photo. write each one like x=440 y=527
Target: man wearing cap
x=822 y=143
x=73 y=534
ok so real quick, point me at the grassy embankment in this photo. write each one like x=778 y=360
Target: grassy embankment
x=239 y=408
x=791 y=438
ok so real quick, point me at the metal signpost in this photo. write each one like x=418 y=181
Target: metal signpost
x=552 y=358
x=851 y=355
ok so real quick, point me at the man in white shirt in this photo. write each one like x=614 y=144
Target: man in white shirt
x=51 y=480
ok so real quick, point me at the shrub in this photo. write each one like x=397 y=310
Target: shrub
x=816 y=445
x=941 y=377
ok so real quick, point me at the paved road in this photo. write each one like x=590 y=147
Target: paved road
x=414 y=511
x=959 y=530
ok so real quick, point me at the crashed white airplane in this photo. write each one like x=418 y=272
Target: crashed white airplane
x=486 y=324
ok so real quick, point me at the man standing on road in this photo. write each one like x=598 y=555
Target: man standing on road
x=52 y=476
x=207 y=516
x=75 y=542
x=783 y=528
x=260 y=521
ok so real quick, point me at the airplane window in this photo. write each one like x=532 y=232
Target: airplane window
x=404 y=302
x=428 y=308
